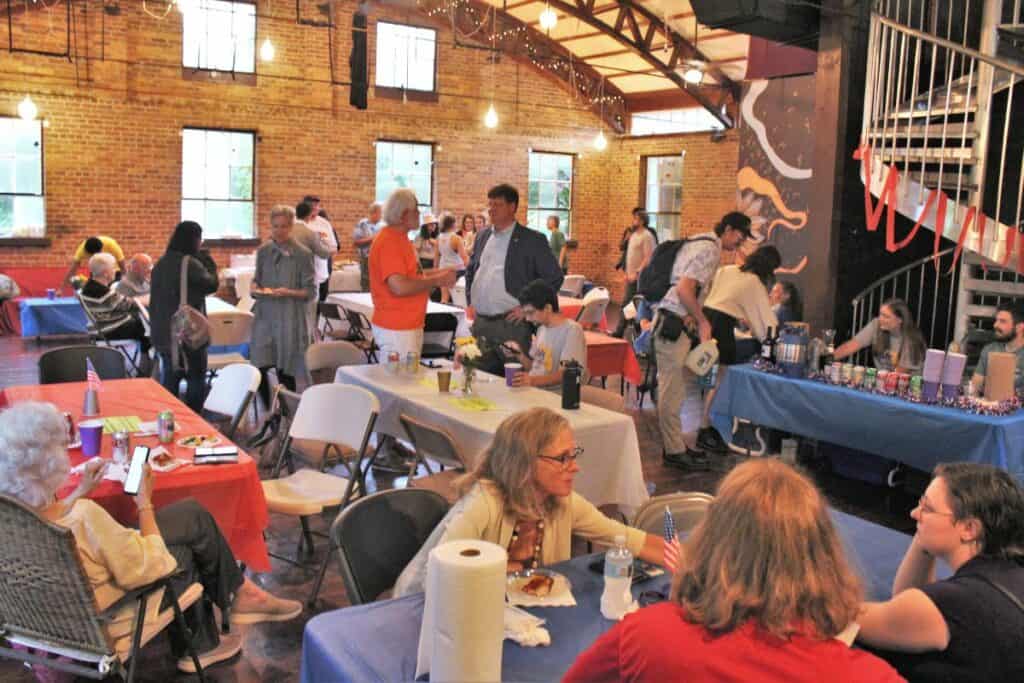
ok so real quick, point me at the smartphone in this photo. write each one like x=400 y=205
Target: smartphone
x=134 y=479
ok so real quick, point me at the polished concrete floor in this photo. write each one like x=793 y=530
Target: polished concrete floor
x=272 y=651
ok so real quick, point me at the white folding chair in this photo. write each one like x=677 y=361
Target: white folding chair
x=324 y=358
x=572 y=286
x=231 y=392
x=594 y=304
x=228 y=328
x=687 y=508
x=334 y=414
x=439 y=445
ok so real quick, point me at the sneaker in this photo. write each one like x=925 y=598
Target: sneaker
x=690 y=460
x=230 y=645
x=269 y=609
x=709 y=439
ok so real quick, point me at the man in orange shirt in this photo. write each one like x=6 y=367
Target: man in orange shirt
x=400 y=290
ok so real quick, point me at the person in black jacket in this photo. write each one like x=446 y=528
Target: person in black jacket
x=507 y=256
x=165 y=299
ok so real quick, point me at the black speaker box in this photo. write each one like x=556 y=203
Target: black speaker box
x=794 y=24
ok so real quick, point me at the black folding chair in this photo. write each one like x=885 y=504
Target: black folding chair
x=67 y=364
x=440 y=323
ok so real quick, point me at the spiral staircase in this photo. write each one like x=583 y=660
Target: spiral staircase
x=944 y=108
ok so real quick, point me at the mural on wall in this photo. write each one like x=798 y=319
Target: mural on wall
x=775 y=159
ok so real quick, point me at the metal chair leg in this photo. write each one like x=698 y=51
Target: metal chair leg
x=137 y=636
x=179 y=618
x=311 y=603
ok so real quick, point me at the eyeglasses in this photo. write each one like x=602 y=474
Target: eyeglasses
x=926 y=508
x=565 y=459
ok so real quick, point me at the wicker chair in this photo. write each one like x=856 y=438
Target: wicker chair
x=47 y=604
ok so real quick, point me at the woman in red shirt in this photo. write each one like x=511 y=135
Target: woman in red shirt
x=763 y=593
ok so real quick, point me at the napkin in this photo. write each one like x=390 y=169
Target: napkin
x=122 y=423
x=115 y=471
x=523 y=628
x=560 y=596
x=147 y=429
x=473 y=404
x=170 y=466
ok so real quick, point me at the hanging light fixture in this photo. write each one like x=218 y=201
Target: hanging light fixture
x=491 y=117
x=600 y=142
x=27 y=109
x=267 y=50
x=693 y=75
x=548 y=18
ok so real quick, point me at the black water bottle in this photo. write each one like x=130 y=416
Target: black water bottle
x=572 y=376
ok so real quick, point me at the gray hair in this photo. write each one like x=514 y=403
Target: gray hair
x=375 y=206
x=283 y=210
x=33 y=454
x=101 y=264
x=401 y=200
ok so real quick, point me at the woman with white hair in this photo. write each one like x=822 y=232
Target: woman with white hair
x=399 y=287
x=34 y=464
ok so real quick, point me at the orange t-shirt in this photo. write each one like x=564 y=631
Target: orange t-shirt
x=392 y=254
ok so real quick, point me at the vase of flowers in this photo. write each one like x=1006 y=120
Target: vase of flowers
x=467 y=356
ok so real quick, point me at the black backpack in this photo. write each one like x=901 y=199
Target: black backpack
x=656 y=278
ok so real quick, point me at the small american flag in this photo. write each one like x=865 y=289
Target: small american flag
x=672 y=548
x=91 y=376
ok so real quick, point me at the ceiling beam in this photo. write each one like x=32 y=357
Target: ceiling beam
x=627 y=31
x=575 y=75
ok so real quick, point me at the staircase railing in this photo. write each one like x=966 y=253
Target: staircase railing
x=928 y=289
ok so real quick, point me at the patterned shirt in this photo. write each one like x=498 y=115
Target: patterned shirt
x=697 y=259
x=364 y=229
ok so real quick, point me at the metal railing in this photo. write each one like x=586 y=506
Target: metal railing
x=928 y=288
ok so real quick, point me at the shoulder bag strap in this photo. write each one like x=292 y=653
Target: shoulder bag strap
x=1002 y=589
x=183 y=299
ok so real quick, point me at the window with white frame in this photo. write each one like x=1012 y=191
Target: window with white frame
x=406 y=56
x=550 y=191
x=217 y=182
x=690 y=120
x=22 y=203
x=405 y=164
x=663 y=193
x=219 y=35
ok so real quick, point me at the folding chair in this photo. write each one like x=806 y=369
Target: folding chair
x=228 y=329
x=231 y=392
x=361 y=334
x=439 y=323
x=687 y=510
x=129 y=348
x=47 y=603
x=323 y=359
x=439 y=445
x=592 y=311
x=67 y=364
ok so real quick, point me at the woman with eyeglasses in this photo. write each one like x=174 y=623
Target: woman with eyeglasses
x=969 y=627
x=763 y=592
x=520 y=497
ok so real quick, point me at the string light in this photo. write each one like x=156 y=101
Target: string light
x=27 y=109
x=600 y=142
x=693 y=75
x=491 y=117
x=267 y=51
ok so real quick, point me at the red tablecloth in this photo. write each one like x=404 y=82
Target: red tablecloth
x=611 y=356
x=232 y=493
x=570 y=308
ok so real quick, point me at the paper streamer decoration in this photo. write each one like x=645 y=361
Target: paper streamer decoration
x=999 y=376
x=463 y=614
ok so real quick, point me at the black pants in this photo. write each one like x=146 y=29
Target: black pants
x=723 y=329
x=194 y=374
x=287 y=381
x=627 y=298
x=324 y=288
x=135 y=330
x=203 y=556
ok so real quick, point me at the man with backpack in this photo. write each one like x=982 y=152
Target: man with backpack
x=673 y=278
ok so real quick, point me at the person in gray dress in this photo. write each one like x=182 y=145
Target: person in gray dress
x=282 y=287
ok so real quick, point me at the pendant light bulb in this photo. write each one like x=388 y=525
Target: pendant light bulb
x=27 y=109
x=693 y=75
x=548 y=18
x=491 y=117
x=267 y=50
x=600 y=142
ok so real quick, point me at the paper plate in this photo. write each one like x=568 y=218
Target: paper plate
x=198 y=440
x=517 y=580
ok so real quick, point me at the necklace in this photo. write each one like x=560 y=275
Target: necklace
x=534 y=561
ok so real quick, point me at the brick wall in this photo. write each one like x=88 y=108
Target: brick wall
x=112 y=145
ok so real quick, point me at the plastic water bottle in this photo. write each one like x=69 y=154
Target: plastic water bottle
x=616 y=600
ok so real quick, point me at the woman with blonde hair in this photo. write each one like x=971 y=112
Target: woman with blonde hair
x=520 y=497
x=763 y=592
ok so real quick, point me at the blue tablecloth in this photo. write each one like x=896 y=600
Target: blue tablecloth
x=919 y=435
x=41 y=316
x=378 y=641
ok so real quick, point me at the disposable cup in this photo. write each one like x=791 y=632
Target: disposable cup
x=91 y=433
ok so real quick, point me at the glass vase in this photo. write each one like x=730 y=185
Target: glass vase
x=468 y=375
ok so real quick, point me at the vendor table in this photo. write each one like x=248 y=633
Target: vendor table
x=610 y=467
x=43 y=317
x=378 y=641
x=231 y=492
x=916 y=434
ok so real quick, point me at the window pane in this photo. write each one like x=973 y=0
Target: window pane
x=533 y=219
x=6 y=215
x=564 y=198
x=22 y=216
x=405 y=56
x=194 y=210
x=7 y=177
x=533 y=194
x=404 y=164
x=547 y=195
x=218 y=165
x=220 y=35
x=550 y=187
x=664 y=192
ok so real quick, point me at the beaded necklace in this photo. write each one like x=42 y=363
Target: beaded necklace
x=533 y=562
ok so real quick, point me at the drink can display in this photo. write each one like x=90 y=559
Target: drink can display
x=870 y=378
x=892 y=382
x=165 y=426
x=836 y=371
x=858 y=375
x=72 y=433
x=903 y=383
x=122 y=445
x=882 y=378
x=846 y=372
x=915 y=386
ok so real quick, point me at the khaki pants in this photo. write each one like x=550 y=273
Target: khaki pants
x=671 y=358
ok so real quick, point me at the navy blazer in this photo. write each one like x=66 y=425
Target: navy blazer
x=529 y=258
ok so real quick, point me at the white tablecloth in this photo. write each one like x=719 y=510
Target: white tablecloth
x=362 y=302
x=610 y=468
x=216 y=305
x=345 y=278
x=242 y=276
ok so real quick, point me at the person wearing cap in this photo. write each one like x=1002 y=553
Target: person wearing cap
x=695 y=263
x=426 y=242
x=89 y=248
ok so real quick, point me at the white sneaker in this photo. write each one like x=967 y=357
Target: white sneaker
x=230 y=645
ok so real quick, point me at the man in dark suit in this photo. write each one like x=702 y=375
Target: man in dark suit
x=507 y=256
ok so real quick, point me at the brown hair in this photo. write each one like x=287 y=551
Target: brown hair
x=767 y=550
x=995 y=499
x=508 y=462
x=908 y=329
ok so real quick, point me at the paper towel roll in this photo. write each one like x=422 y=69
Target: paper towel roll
x=463 y=615
x=999 y=376
x=933 y=361
x=953 y=369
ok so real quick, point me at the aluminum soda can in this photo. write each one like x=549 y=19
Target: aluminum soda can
x=892 y=382
x=846 y=373
x=394 y=361
x=915 y=386
x=903 y=383
x=122 y=445
x=859 y=372
x=870 y=378
x=836 y=374
x=882 y=380
x=412 y=362
x=165 y=426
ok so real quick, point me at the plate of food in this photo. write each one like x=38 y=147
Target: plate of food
x=162 y=461
x=538 y=587
x=199 y=441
